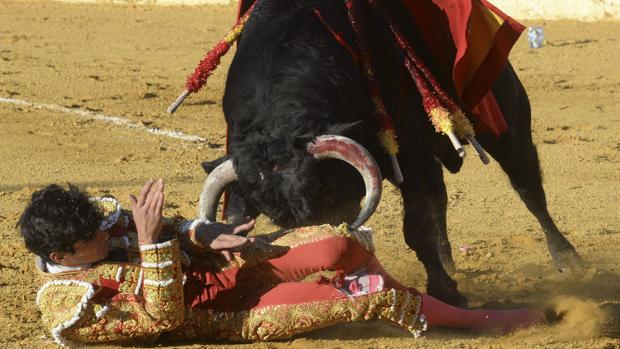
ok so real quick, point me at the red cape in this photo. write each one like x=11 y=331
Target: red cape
x=481 y=39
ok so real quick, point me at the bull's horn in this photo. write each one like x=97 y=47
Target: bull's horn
x=213 y=188
x=348 y=150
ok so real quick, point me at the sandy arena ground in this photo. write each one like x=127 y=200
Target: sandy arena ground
x=132 y=61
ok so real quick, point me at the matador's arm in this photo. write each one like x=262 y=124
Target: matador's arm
x=75 y=313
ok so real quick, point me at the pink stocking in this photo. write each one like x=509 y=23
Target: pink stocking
x=441 y=314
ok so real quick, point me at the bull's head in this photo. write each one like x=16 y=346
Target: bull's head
x=287 y=188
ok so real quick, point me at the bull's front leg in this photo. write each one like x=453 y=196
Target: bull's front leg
x=421 y=192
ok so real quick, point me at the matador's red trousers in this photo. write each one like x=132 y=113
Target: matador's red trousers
x=274 y=277
x=263 y=295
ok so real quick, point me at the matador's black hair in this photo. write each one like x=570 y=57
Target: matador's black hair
x=56 y=218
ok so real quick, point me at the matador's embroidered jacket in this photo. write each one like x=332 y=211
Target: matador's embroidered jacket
x=142 y=296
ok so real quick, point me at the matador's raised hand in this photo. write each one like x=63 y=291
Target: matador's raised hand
x=147 y=211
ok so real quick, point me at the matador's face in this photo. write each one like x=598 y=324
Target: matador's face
x=86 y=251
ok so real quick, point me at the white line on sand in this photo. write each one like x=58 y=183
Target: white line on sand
x=87 y=114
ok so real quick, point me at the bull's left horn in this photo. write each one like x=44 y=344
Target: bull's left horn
x=213 y=188
x=348 y=150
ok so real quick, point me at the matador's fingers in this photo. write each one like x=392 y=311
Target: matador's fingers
x=157 y=194
x=145 y=190
x=133 y=201
x=245 y=227
x=159 y=204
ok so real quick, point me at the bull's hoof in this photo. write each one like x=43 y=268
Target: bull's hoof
x=568 y=261
x=447 y=292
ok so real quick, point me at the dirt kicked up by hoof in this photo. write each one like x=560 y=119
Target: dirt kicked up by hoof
x=570 y=317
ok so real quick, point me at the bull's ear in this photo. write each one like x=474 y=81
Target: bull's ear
x=346 y=130
x=209 y=166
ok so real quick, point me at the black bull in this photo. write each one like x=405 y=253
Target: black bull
x=291 y=81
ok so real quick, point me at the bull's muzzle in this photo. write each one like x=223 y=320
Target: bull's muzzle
x=324 y=147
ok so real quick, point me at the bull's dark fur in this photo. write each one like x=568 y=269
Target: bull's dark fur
x=278 y=98
x=290 y=82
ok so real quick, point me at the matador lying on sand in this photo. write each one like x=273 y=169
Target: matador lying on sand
x=112 y=276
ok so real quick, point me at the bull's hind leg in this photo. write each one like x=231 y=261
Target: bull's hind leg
x=517 y=155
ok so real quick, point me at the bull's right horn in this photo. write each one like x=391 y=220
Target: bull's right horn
x=348 y=150
x=213 y=188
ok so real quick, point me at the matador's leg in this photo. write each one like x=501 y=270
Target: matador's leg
x=442 y=314
x=319 y=248
x=291 y=255
x=307 y=251
x=334 y=252
x=298 y=307
x=294 y=254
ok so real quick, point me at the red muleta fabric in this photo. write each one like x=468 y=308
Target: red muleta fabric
x=477 y=61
